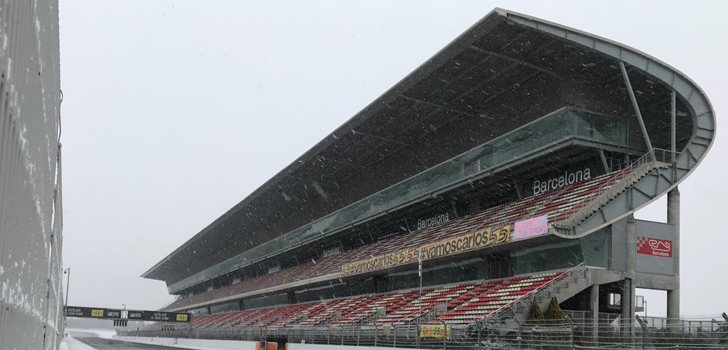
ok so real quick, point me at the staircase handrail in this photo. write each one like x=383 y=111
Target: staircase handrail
x=649 y=157
x=549 y=284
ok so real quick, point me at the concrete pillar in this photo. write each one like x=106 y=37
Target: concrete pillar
x=673 y=218
x=627 y=307
x=628 y=287
x=594 y=307
x=631 y=247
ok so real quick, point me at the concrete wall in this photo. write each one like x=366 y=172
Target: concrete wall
x=30 y=183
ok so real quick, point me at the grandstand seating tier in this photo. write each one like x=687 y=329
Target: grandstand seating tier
x=462 y=304
x=558 y=205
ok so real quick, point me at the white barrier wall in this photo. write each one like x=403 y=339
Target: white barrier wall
x=197 y=344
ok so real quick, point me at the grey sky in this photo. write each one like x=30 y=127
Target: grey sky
x=174 y=111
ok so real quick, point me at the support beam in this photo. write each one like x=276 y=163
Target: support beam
x=516 y=61
x=673 y=218
x=386 y=139
x=636 y=106
x=604 y=161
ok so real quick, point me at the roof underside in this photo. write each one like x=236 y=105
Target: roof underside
x=495 y=77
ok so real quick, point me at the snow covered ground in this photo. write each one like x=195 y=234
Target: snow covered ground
x=72 y=344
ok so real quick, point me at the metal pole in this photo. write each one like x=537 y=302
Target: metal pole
x=419 y=300
x=673 y=122
x=68 y=283
x=637 y=110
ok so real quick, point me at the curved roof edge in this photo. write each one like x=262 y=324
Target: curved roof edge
x=661 y=180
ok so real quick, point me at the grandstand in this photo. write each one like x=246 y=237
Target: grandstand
x=503 y=172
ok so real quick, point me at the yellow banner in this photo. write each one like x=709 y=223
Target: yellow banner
x=97 y=313
x=473 y=240
x=435 y=331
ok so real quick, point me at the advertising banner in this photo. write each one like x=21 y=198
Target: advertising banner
x=435 y=331
x=95 y=312
x=473 y=240
x=529 y=228
x=654 y=247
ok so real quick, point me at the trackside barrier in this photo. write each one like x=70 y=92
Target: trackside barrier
x=188 y=343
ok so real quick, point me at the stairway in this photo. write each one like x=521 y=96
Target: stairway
x=563 y=288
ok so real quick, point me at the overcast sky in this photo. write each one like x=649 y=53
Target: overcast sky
x=174 y=111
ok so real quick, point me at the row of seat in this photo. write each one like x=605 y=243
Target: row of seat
x=557 y=205
x=454 y=304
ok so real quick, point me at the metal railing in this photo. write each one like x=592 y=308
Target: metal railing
x=527 y=298
x=576 y=331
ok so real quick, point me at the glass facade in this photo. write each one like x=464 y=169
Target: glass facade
x=553 y=129
x=550 y=257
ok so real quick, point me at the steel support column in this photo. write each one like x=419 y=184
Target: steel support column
x=637 y=110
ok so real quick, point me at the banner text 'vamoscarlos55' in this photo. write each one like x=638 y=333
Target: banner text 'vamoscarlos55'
x=470 y=241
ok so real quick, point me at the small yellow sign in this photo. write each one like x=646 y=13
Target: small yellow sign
x=181 y=317
x=435 y=331
x=97 y=313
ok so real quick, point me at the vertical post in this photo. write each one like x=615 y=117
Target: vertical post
x=594 y=301
x=444 y=339
x=628 y=291
x=637 y=111
x=419 y=299
x=376 y=334
x=68 y=284
x=673 y=218
x=572 y=328
x=673 y=122
x=394 y=345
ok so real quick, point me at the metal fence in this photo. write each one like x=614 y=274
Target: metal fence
x=30 y=192
x=576 y=331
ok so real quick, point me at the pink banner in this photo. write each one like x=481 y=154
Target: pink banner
x=529 y=228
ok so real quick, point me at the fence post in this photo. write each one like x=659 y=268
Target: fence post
x=444 y=339
x=643 y=325
x=376 y=334
x=571 y=336
x=395 y=337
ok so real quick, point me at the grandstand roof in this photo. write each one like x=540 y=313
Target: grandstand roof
x=503 y=72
